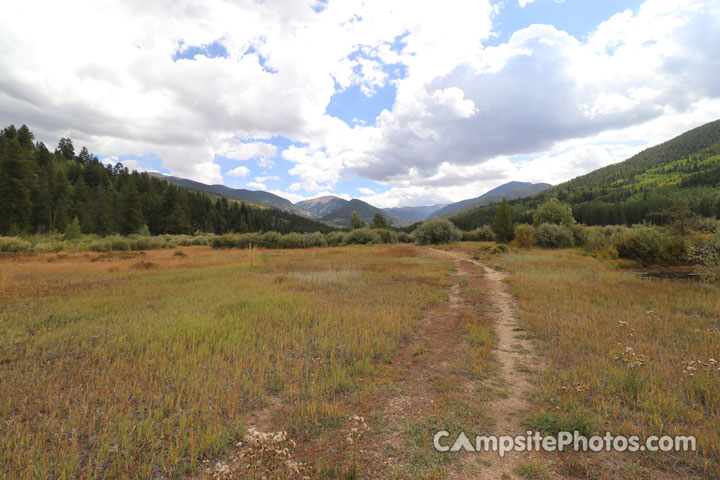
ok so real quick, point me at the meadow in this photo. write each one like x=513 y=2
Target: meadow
x=153 y=364
x=627 y=354
x=143 y=364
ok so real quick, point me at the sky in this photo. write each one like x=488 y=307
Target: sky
x=395 y=102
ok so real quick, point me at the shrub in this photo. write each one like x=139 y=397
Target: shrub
x=525 y=236
x=335 y=239
x=271 y=240
x=387 y=236
x=553 y=211
x=293 y=240
x=362 y=236
x=480 y=234
x=73 y=231
x=14 y=245
x=674 y=250
x=499 y=248
x=642 y=242
x=316 y=239
x=118 y=243
x=580 y=234
x=437 y=230
x=404 y=237
x=549 y=235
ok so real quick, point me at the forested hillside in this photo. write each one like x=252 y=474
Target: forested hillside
x=681 y=173
x=43 y=191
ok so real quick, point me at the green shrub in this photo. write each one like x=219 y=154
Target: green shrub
x=499 y=248
x=315 y=239
x=550 y=235
x=271 y=240
x=642 y=242
x=294 y=240
x=674 y=250
x=555 y=212
x=14 y=245
x=404 y=237
x=73 y=231
x=118 y=243
x=525 y=236
x=387 y=236
x=435 y=231
x=335 y=239
x=480 y=234
x=580 y=234
x=362 y=236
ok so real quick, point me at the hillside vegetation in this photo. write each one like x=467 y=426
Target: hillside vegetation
x=42 y=192
x=646 y=187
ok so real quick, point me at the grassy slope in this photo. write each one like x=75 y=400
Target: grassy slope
x=116 y=368
x=585 y=315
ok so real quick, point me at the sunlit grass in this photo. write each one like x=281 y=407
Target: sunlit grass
x=619 y=347
x=113 y=371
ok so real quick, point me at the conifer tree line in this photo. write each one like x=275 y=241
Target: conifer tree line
x=43 y=192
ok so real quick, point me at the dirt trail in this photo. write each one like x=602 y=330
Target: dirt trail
x=430 y=387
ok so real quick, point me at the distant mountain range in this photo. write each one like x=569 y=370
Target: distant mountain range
x=336 y=210
x=257 y=197
x=508 y=191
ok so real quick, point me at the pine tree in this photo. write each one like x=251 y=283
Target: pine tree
x=131 y=218
x=16 y=180
x=356 y=221
x=503 y=224
x=380 y=222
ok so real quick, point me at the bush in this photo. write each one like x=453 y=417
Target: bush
x=480 y=234
x=362 y=236
x=293 y=240
x=549 y=235
x=14 y=245
x=316 y=239
x=73 y=231
x=271 y=240
x=499 y=248
x=642 y=242
x=555 y=212
x=335 y=239
x=118 y=243
x=674 y=250
x=437 y=230
x=525 y=236
x=404 y=237
x=580 y=234
x=387 y=236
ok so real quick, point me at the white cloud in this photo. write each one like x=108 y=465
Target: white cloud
x=240 y=171
x=256 y=185
x=462 y=109
x=522 y=3
x=265 y=179
x=365 y=191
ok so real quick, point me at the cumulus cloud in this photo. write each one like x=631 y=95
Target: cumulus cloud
x=114 y=82
x=240 y=171
x=256 y=185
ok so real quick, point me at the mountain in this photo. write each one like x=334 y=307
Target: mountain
x=257 y=197
x=341 y=216
x=645 y=187
x=415 y=213
x=321 y=206
x=508 y=191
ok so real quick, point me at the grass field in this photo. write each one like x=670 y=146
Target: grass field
x=143 y=364
x=630 y=355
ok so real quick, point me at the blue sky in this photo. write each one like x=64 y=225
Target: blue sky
x=402 y=102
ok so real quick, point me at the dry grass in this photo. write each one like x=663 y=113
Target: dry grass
x=620 y=349
x=112 y=370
